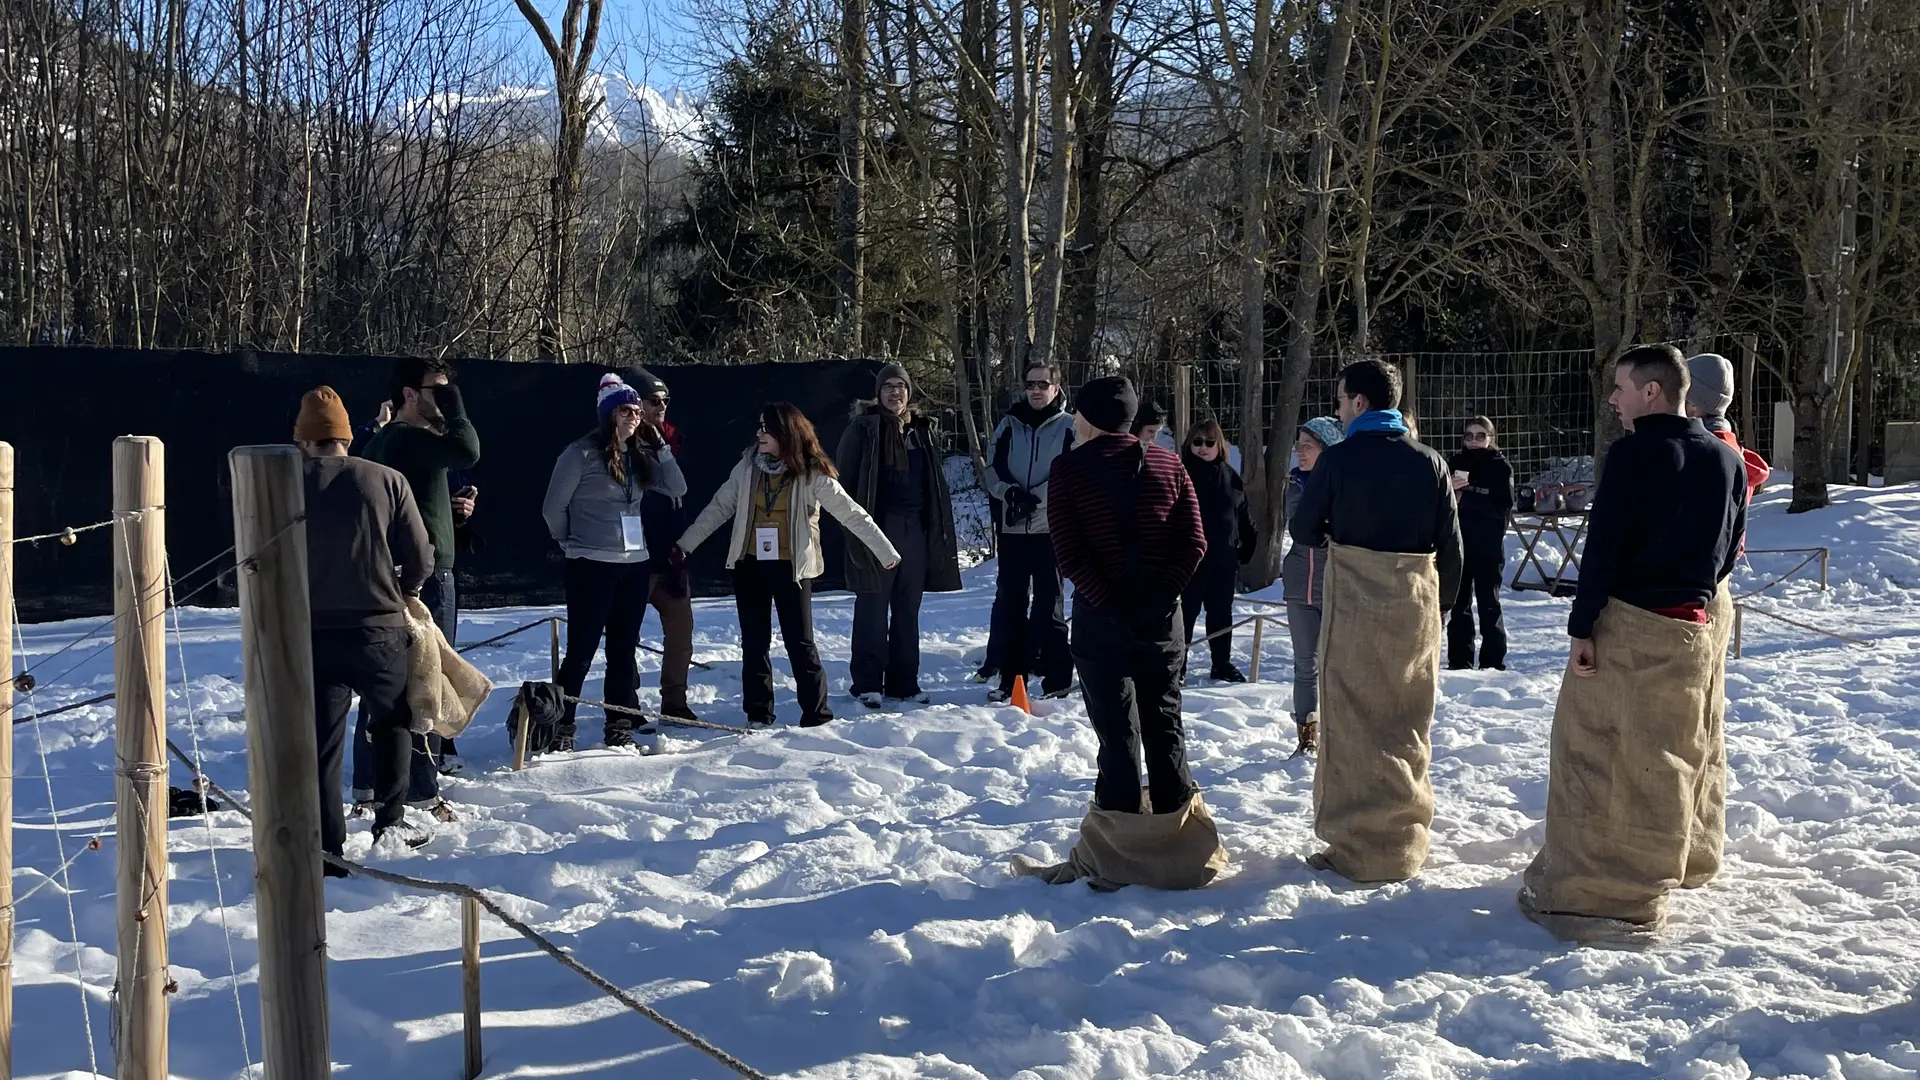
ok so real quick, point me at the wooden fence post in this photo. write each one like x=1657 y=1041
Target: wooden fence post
x=470 y=980
x=553 y=647
x=1182 y=402
x=1749 y=362
x=6 y=762
x=1259 y=633
x=283 y=771
x=139 y=736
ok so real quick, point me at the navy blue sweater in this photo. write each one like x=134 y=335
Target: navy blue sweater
x=1666 y=521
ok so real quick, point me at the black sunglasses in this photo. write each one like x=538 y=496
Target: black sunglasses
x=1203 y=442
x=1038 y=384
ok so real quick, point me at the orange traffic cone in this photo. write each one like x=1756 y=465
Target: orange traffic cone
x=1019 y=698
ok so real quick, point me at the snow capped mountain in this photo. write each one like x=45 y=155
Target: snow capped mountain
x=621 y=113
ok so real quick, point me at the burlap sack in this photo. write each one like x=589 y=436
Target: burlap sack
x=443 y=690
x=1710 y=793
x=1379 y=675
x=1161 y=851
x=1630 y=779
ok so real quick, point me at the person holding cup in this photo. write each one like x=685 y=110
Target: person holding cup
x=1483 y=485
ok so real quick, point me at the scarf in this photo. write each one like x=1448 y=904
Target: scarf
x=768 y=464
x=1388 y=420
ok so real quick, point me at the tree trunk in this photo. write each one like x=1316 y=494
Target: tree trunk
x=850 y=219
x=1018 y=174
x=1094 y=110
x=1060 y=94
x=1255 y=183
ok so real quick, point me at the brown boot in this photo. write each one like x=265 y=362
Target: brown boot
x=1309 y=738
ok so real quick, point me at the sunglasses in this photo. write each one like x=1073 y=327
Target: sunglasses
x=1197 y=443
x=1040 y=384
x=1477 y=436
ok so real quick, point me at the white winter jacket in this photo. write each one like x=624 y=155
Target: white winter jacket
x=810 y=495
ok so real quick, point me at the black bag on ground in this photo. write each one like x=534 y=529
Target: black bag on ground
x=545 y=709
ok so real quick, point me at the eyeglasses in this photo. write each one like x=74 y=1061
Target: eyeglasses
x=1198 y=443
x=894 y=385
x=1039 y=384
x=1477 y=436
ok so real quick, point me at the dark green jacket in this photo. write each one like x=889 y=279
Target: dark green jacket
x=859 y=462
x=423 y=456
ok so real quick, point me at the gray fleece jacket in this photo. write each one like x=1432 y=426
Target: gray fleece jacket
x=585 y=508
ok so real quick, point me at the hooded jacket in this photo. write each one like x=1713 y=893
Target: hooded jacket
x=1303 y=573
x=860 y=458
x=1025 y=444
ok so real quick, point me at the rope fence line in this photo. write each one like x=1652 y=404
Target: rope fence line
x=544 y=943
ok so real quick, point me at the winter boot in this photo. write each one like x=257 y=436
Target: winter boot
x=562 y=744
x=871 y=700
x=1227 y=673
x=677 y=708
x=1309 y=737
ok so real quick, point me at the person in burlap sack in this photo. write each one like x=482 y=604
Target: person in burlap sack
x=1383 y=505
x=1636 y=788
x=1127 y=532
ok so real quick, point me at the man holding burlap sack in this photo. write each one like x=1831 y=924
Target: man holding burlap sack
x=1127 y=531
x=1636 y=791
x=1383 y=504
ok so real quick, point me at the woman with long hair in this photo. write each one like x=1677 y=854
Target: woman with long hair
x=1303 y=577
x=592 y=510
x=774 y=498
x=890 y=459
x=1483 y=485
x=1230 y=541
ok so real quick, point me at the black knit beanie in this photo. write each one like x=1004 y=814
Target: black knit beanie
x=1108 y=403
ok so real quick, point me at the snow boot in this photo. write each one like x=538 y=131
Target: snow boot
x=1226 y=673
x=677 y=710
x=986 y=674
x=562 y=744
x=1309 y=738
x=871 y=700
x=999 y=696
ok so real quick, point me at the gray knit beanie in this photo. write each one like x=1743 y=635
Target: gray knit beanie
x=892 y=371
x=1711 y=387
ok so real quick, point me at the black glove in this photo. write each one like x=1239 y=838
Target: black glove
x=1021 y=504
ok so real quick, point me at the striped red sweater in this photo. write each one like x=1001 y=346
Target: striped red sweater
x=1086 y=525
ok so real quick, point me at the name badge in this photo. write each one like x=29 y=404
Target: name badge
x=766 y=543
x=632 y=533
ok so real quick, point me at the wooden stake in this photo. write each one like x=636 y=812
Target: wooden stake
x=283 y=770
x=1182 y=402
x=1737 y=627
x=1259 y=632
x=139 y=735
x=1749 y=361
x=470 y=979
x=6 y=762
x=553 y=647
x=521 y=720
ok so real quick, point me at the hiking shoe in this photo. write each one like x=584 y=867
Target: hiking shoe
x=678 y=710
x=441 y=811
x=918 y=697
x=998 y=696
x=759 y=723
x=871 y=700
x=562 y=744
x=1227 y=673
x=452 y=765
x=817 y=721
x=1056 y=693
x=986 y=674
x=400 y=834
x=1309 y=738
x=362 y=808
x=618 y=738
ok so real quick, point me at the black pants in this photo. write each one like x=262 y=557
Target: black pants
x=373 y=664
x=886 y=623
x=1031 y=639
x=1130 y=669
x=759 y=590
x=423 y=772
x=1480 y=582
x=610 y=599
x=1213 y=587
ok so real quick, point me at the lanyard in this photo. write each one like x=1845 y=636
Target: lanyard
x=769 y=494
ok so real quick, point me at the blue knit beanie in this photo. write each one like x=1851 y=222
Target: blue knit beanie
x=1324 y=428
x=614 y=392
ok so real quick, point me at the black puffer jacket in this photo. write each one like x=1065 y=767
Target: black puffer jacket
x=1223 y=510
x=1487 y=498
x=1383 y=491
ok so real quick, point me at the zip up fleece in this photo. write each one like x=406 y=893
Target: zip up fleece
x=1303 y=574
x=809 y=496
x=1024 y=446
x=584 y=505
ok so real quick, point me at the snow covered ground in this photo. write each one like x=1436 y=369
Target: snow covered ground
x=835 y=903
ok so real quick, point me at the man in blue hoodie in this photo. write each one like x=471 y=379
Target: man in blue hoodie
x=1383 y=505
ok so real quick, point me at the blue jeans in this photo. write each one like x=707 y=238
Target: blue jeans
x=423 y=774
